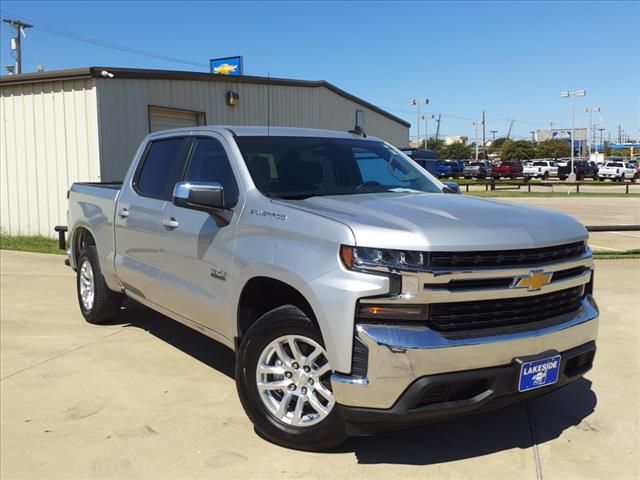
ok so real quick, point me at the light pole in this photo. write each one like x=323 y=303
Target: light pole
x=426 y=129
x=533 y=136
x=475 y=139
x=601 y=130
x=573 y=94
x=590 y=111
x=417 y=102
x=493 y=132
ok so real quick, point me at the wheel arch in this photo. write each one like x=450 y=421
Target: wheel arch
x=261 y=294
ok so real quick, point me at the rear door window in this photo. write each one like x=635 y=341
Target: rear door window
x=161 y=168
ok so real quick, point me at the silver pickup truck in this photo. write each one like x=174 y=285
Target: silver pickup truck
x=357 y=291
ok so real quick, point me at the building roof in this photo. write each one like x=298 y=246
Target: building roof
x=139 y=73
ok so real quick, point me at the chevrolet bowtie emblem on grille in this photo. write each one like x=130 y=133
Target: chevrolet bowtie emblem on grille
x=534 y=281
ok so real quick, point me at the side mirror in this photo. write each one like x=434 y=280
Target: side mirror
x=451 y=187
x=206 y=196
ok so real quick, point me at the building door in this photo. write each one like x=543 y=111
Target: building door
x=161 y=118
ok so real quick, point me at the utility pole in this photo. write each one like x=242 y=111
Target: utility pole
x=590 y=110
x=417 y=102
x=510 y=127
x=601 y=130
x=438 y=128
x=493 y=132
x=619 y=133
x=16 y=42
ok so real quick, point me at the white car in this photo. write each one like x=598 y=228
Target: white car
x=619 y=171
x=541 y=169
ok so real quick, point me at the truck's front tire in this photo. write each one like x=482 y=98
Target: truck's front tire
x=282 y=376
x=98 y=303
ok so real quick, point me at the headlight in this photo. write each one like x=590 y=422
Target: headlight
x=366 y=257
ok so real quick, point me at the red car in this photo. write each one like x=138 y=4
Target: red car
x=507 y=169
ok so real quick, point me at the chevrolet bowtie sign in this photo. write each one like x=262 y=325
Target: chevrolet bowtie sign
x=534 y=281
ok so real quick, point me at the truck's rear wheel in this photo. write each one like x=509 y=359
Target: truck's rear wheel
x=98 y=303
x=282 y=375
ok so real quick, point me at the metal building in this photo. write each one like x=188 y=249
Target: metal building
x=64 y=126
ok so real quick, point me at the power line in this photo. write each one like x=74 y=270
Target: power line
x=102 y=43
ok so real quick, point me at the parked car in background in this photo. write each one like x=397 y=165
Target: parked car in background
x=444 y=169
x=457 y=168
x=582 y=168
x=543 y=169
x=478 y=170
x=617 y=171
x=427 y=159
x=507 y=169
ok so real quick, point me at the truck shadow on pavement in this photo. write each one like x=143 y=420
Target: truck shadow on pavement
x=517 y=426
x=191 y=342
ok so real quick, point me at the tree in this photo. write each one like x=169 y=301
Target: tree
x=456 y=151
x=553 y=149
x=518 y=150
x=435 y=145
x=497 y=144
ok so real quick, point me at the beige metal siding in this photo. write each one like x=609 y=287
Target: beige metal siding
x=123 y=109
x=49 y=137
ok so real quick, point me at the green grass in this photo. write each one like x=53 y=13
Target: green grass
x=36 y=243
x=524 y=193
x=600 y=255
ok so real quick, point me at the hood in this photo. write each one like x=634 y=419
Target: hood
x=438 y=221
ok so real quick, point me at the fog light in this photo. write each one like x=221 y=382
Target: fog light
x=392 y=312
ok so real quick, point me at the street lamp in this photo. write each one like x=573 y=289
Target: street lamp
x=573 y=94
x=590 y=111
x=493 y=132
x=417 y=102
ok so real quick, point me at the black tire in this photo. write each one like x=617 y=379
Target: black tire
x=601 y=179
x=634 y=178
x=285 y=320
x=562 y=177
x=106 y=302
x=545 y=176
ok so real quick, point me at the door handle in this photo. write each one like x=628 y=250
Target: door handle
x=123 y=212
x=171 y=223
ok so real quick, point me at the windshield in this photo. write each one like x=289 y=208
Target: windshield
x=301 y=167
x=613 y=164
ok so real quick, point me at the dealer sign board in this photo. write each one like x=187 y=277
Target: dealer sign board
x=226 y=66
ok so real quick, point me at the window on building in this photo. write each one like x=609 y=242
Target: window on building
x=163 y=118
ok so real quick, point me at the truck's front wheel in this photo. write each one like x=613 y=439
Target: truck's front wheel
x=98 y=303
x=282 y=375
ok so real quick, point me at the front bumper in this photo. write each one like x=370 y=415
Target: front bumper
x=437 y=398
x=398 y=356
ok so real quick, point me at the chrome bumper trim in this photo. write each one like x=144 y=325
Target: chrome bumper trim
x=398 y=355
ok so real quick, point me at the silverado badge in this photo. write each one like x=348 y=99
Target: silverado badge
x=533 y=281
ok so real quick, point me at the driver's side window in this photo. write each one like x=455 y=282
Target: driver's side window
x=209 y=163
x=373 y=168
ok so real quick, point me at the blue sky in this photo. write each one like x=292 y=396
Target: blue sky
x=510 y=59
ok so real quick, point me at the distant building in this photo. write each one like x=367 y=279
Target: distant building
x=450 y=140
x=579 y=137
